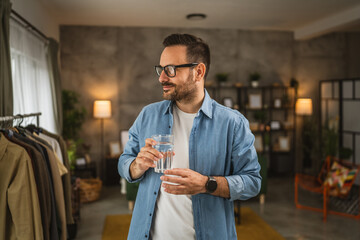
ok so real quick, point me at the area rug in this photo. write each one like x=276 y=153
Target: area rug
x=252 y=227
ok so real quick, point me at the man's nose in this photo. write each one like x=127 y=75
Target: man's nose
x=163 y=77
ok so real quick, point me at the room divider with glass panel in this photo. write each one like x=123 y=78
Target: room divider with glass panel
x=340 y=114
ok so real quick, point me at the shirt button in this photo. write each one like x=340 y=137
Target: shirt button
x=150 y=214
x=145 y=235
x=154 y=193
x=169 y=126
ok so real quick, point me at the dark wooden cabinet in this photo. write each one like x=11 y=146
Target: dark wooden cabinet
x=86 y=171
x=112 y=176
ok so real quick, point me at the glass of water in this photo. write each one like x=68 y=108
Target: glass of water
x=165 y=145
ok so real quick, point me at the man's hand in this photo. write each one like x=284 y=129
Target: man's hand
x=189 y=181
x=145 y=159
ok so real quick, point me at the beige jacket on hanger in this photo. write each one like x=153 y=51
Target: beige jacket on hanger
x=19 y=202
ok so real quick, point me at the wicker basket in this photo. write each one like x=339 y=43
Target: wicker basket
x=90 y=189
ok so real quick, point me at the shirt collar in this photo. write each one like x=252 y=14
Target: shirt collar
x=206 y=106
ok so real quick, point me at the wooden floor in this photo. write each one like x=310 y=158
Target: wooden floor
x=278 y=211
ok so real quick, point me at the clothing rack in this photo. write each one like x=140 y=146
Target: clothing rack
x=22 y=116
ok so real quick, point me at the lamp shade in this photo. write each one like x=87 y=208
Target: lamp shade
x=102 y=109
x=303 y=106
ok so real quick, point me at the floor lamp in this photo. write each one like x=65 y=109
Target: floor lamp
x=304 y=108
x=102 y=110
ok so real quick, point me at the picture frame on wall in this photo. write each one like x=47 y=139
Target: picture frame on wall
x=277 y=103
x=255 y=101
x=284 y=143
x=114 y=149
x=228 y=102
x=275 y=125
x=258 y=144
x=80 y=162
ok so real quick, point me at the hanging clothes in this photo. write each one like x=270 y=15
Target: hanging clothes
x=42 y=180
x=54 y=144
x=20 y=216
x=66 y=178
x=53 y=226
x=45 y=155
x=58 y=188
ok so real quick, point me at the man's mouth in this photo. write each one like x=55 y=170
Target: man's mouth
x=167 y=87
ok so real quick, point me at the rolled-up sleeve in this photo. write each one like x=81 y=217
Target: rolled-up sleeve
x=245 y=182
x=131 y=150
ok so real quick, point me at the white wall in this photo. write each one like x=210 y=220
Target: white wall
x=39 y=15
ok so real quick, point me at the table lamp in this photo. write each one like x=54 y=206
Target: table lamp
x=304 y=108
x=102 y=110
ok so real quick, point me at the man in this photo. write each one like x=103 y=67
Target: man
x=215 y=161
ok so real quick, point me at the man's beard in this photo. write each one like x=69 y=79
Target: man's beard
x=184 y=92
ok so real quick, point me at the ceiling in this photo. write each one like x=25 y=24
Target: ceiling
x=307 y=18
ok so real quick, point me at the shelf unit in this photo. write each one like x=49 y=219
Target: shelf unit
x=276 y=122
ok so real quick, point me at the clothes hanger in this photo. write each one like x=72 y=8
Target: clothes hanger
x=20 y=129
x=33 y=128
x=7 y=128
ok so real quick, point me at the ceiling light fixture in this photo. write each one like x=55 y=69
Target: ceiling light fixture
x=196 y=16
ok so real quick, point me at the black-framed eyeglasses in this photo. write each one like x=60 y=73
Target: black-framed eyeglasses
x=170 y=70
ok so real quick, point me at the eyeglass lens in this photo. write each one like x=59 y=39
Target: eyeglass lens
x=169 y=70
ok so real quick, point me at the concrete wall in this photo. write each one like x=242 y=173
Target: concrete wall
x=353 y=54
x=38 y=14
x=116 y=63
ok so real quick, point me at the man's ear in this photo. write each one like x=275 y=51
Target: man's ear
x=200 y=71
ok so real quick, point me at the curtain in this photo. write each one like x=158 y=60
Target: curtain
x=6 y=91
x=55 y=82
x=31 y=78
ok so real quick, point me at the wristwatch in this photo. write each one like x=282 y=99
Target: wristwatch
x=211 y=185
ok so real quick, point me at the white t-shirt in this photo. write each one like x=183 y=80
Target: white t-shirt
x=173 y=218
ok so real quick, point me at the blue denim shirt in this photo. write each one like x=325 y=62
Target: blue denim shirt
x=220 y=144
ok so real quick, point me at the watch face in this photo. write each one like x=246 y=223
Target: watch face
x=211 y=185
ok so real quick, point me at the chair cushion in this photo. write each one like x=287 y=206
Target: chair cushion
x=350 y=178
x=340 y=179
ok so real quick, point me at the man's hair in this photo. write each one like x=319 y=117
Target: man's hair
x=197 y=51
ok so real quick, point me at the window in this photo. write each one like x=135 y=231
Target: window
x=30 y=73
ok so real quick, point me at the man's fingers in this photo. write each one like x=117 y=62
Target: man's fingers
x=145 y=162
x=148 y=155
x=149 y=142
x=177 y=171
x=172 y=179
x=152 y=150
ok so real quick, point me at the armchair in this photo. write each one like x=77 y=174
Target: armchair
x=335 y=179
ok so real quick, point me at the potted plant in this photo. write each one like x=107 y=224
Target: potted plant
x=222 y=78
x=266 y=141
x=330 y=138
x=254 y=79
x=73 y=118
